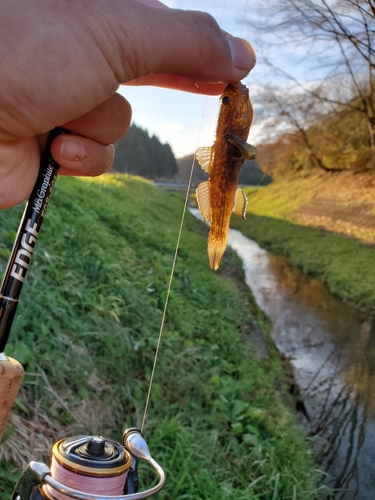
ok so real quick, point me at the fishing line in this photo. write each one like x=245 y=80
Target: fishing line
x=177 y=247
x=244 y=17
x=172 y=274
x=222 y=13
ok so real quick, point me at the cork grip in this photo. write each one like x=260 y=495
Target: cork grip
x=11 y=375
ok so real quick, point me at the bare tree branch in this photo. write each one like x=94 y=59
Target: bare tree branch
x=342 y=33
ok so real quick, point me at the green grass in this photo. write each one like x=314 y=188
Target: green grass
x=86 y=331
x=344 y=264
x=280 y=198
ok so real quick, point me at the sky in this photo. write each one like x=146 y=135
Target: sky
x=188 y=121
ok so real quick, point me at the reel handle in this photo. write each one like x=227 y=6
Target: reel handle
x=11 y=375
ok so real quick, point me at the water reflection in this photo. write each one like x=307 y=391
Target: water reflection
x=332 y=349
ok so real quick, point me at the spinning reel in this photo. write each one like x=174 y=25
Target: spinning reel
x=90 y=468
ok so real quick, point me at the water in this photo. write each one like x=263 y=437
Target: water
x=332 y=349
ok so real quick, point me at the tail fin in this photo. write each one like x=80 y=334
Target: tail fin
x=215 y=249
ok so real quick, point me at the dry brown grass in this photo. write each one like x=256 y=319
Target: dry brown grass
x=341 y=202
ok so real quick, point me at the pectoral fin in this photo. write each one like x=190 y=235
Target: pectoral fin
x=247 y=150
x=203 y=156
x=240 y=203
x=203 y=199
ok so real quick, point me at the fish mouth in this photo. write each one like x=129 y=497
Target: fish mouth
x=237 y=87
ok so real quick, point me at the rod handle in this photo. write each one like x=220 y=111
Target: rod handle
x=11 y=375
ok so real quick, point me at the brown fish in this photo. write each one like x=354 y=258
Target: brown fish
x=219 y=196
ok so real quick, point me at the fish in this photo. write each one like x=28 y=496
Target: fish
x=220 y=196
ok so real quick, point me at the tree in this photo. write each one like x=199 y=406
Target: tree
x=139 y=154
x=296 y=113
x=334 y=39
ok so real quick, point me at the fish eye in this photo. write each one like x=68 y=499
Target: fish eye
x=226 y=100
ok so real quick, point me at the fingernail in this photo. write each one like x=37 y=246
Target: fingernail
x=72 y=150
x=243 y=54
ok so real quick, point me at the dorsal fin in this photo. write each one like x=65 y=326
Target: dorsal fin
x=203 y=199
x=240 y=203
x=203 y=156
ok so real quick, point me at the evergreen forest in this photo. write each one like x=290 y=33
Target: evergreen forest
x=139 y=154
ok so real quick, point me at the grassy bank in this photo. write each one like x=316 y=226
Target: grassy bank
x=277 y=221
x=87 y=328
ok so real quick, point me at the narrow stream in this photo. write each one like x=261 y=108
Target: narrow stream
x=332 y=349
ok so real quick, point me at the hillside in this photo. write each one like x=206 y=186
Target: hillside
x=87 y=328
x=343 y=202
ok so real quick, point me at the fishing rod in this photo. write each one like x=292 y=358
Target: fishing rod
x=82 y=467
x=11 y=372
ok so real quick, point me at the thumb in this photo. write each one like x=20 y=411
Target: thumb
x=152 y=40
x=86 y=49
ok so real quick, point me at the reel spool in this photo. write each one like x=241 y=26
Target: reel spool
x=90 y=464
x=90 y=468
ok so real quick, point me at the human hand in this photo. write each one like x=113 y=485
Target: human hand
x=63 y=61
